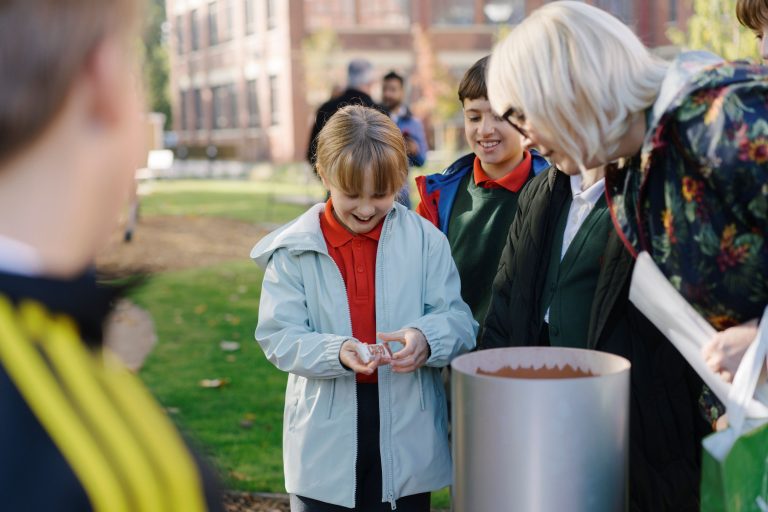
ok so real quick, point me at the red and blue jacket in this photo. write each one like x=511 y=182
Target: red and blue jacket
x=438 y=191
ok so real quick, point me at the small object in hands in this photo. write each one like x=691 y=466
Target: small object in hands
x=367 y=351
x=213 y=383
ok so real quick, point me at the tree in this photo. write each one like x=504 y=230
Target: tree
x=438 y=102
x=320 y=51
x=714 y=27
x=155 y=57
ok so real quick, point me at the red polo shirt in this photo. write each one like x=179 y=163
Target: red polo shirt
x=512 y=181
x=355 y=255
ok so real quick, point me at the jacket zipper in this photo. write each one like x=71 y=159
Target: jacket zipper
x=386 y=414
x=333 y=389
x=389 y=472
x=387 y=438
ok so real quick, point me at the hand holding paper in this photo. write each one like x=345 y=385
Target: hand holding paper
x=657 y=299
x=725 y=350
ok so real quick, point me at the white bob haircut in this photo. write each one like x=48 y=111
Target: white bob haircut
x=578 y=75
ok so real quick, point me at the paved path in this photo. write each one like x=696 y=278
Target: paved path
x=130 y=334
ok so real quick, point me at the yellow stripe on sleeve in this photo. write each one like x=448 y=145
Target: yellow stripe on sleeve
x=163 y=440
x=34 y=380
x=78 y=369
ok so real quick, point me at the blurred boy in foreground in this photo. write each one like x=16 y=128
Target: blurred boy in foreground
x=77 y=432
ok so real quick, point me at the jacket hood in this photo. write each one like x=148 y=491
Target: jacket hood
x=302 y=232
x=678 y=77
x=299 y=235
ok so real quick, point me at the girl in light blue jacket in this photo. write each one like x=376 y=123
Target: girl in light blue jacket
x=357 y=434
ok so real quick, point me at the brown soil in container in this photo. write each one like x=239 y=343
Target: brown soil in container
x=566 y=372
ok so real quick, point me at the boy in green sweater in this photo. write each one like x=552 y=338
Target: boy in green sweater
x=474 y=200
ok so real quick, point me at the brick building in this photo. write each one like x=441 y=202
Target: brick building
x=240 y=80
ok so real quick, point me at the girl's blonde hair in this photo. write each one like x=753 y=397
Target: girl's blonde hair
x=578 y=75
x=358 y=139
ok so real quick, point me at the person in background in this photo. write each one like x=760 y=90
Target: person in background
x=393 y=100
x=725 y=350
x=360 y=79
x=753 y=14
x=77 y=431
x=474 y=200
x=565 y=273
x=684 y=142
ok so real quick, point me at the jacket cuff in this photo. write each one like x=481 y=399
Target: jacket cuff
x=332 y=353
x=438 y=353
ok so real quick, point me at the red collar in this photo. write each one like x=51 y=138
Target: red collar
x=512 y=181
x=337 y=234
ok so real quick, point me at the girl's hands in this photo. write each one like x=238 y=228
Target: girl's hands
x=724 y=351
x=415 y=351
x=349 y=358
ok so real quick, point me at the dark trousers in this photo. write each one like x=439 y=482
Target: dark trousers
x=368 y=471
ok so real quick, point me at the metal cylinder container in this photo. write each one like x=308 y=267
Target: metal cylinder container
x=540 y=444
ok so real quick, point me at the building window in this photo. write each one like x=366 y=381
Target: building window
x=274 y=114
x=250 y=17
x=195 y=28
x=179 y=35
x=504 y=11
x=183 y=113
x=673 y=11
x=227 y=27
x=321 y=13
x=622 y=9
x=271 y=14
x=198 y=100
x=219 y=119
x=389 y=13
x=254 y=120
x=224 y=107
x=213 y=27
x=233 y=117
x=453 y=12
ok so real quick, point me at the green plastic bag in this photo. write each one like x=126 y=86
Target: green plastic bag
x=740 y=481
x=735 y=461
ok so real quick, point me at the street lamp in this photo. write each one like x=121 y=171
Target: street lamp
x=499 y=12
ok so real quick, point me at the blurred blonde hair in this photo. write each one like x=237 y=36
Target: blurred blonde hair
x=578 y=75
x=44 y=45
x=357 y=139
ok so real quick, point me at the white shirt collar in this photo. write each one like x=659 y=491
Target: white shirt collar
x=592 y=194
x=19 y=258
x=400 y=112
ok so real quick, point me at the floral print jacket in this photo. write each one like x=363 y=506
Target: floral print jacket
x=696 y=196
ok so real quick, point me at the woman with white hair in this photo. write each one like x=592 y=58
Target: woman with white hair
x=684 y=146
x=677 y=154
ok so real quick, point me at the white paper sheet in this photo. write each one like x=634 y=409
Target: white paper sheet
x=657 y=299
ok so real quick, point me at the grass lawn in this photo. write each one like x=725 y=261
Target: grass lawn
x=241 y=200
x=239 y=424
x=194 y=310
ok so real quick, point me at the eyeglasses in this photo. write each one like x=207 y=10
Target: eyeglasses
x=513 y=113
